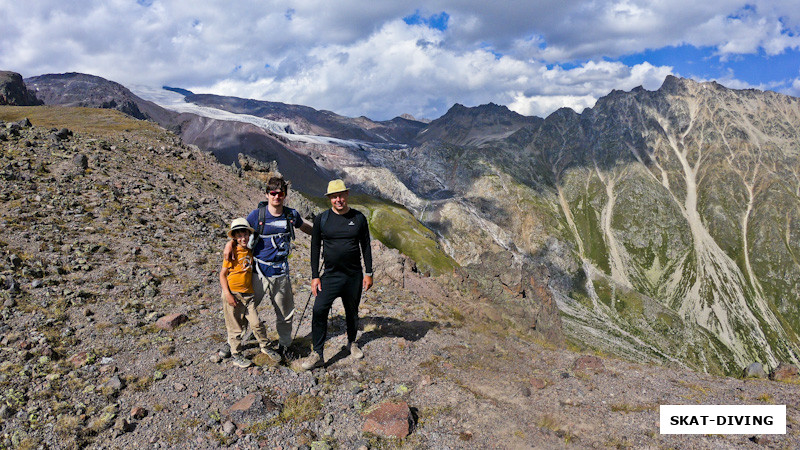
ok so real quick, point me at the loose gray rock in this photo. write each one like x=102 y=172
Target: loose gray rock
x=228 y=428
x=80 y=162
x=114 y=383
x=754 y=370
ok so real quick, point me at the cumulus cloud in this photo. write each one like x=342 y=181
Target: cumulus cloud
x=351 y=59
x=407 y=69
x=795 y=88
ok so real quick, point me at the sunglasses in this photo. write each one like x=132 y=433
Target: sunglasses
x=277 y=193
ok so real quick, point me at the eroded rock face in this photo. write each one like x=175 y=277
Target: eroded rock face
x=14 y=92
x=522 y=289
x=657 y=213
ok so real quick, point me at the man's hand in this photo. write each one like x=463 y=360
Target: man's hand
x=230 y=299
x=306 y=228
x=316 y=286
x=227 y=254
x=367 y=282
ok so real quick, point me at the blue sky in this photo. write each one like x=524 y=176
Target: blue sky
x=773 y=72
x=383 y=59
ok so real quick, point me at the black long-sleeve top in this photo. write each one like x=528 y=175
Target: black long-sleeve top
x=340 y=242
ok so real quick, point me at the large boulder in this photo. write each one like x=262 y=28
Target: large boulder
x=784 y=372
x=13 y=91
x=754 y=370
x=390 y=419
x=521 y=290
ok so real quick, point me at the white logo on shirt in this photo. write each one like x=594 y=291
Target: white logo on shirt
x=351 y=223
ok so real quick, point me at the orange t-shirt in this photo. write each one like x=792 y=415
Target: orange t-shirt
x=240 y=275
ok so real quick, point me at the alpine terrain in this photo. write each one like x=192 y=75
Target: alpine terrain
x=666 y=222
x=539 y=283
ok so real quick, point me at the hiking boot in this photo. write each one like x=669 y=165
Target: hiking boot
x=313 y=361
x=355 y=352
x=225 y=351
x=240 y=361
x=273 y=355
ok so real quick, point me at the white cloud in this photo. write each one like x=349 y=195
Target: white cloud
x=407 y=69
x=795 y=89
x=358 y=60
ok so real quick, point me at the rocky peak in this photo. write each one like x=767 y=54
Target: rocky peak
x=79 y=89
x=464 y=125
x=407 y=116
x=673 y=85
x=14 y=92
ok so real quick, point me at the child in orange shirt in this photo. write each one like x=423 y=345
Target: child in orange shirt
x=237 y=294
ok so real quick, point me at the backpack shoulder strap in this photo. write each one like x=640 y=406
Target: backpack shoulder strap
x=288 y=213
x=262 y=216
x=323 y=218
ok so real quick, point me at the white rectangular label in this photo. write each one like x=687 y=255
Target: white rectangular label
x=723 y=419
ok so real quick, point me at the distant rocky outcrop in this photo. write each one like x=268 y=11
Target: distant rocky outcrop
x=14 y=92
x=77 y=89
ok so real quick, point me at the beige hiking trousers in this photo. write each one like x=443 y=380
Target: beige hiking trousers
x=237 y=317
x=279 y=290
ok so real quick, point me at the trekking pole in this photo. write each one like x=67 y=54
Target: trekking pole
x=300 y=322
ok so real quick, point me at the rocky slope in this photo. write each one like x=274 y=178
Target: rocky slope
x=112 y=226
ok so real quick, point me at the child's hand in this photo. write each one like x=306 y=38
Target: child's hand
x=230 y=299
x=227 y=253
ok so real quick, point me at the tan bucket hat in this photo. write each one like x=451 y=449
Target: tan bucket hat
x=336 y=186
x=239 y=224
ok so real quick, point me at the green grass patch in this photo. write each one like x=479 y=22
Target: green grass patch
x=168 y=364
x=397 y=228
x=87 y=120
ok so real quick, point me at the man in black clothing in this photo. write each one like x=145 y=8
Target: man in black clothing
x=343 y=235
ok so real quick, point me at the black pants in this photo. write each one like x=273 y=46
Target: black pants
x=335 y=285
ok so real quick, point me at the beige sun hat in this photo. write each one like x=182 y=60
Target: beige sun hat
x=336 y=186
x=239 y=224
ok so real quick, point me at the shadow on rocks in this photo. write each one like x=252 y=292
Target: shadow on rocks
x=376 y=327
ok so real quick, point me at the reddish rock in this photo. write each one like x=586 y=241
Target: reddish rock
x=390 y=419
x=245 y=403
x=588 y=363
x=48 y=351
x=171 y=321
x=108 y=369
x=783 y=372
x=252 y=408
x=538 y=383
x=79 y=359
x=138 y=413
